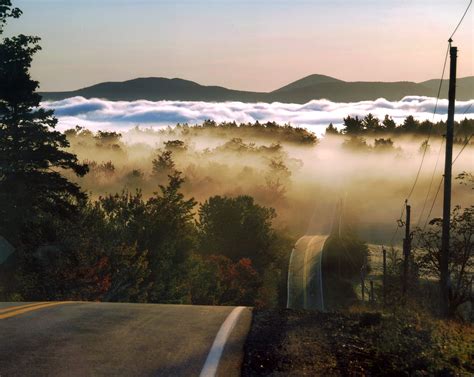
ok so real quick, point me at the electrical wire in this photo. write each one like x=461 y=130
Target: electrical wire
x=399 y=224
x=464 y=146
x=467 y=109
x=460 y=22
x=431 y=183
x=429 y=135
x=399 y=221
x=440 y=86
x=441 y=181
x=433 y=204
x=431 y=125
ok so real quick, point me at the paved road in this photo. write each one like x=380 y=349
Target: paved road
x=305 y=274
x=106 y=339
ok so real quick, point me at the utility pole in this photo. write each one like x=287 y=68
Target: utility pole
x=384 y=274
x=362 y=282
x=406 y=250
x=444 y=260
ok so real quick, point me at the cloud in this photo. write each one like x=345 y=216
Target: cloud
x=314 y=115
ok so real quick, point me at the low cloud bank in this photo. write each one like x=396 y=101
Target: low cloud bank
x=98 y=114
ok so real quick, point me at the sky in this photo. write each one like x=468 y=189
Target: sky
x=257 y=45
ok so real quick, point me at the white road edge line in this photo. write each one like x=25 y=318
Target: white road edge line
x=213 y=358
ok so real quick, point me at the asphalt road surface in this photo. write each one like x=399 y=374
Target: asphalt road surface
x=107 y=339
x=305 y=289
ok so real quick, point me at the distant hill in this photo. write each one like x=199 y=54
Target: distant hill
x=464 y=87
x=155 y=89
x=300 y=91
x=308 y=81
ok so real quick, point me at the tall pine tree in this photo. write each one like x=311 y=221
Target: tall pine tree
x=33 y=155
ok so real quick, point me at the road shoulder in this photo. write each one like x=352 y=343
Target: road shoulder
x=232 y=357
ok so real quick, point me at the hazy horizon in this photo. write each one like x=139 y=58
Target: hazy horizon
x=258 y=46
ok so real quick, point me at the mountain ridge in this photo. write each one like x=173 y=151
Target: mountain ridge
x=300 y=91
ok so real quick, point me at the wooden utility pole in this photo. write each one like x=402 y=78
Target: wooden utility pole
x=384 y=252
x=444 y=260
x=406 y=250
x=362 y=282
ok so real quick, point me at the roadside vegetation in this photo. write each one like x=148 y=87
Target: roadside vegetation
x=391 y=332
x=356 y=342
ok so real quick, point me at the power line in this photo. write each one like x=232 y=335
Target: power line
x=433 y=204
x=431 y=183
x=431 y=124
x=400 y=221
x=437 y=161
x=464 y=146
x=467 y=109
x=430 y=130
x=399 y=224
x=441 y=181
x=460 y=22
x=439 y=87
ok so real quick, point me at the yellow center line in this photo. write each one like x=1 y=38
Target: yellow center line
x=30 y=309
x=10 y=308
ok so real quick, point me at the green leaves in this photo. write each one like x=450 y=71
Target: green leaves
x=32 y=155
x=7 y=11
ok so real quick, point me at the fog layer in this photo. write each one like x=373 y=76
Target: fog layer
x=99 y=114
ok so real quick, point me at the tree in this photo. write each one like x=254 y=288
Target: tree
x=425 y=147
x=162 y=228
x=388 y=123
x=383 y=145
x=163 y=165
x=356 y=144
x=170 y=239
x=371 y=124
x=277 y=180
x=461 y=254
x=175 y=146
x=236 y=228
x=352 y=126
x=217 y=280
x=410 y=124
x=331 y=130
x=425 y=127
x=32 y=153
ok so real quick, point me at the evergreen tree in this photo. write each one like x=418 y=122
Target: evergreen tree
x=331 y=130
x=352 y=126
x=388 y=123
x=32 y=153
x=410 y=124
x=371 y=124
x=163 y=165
